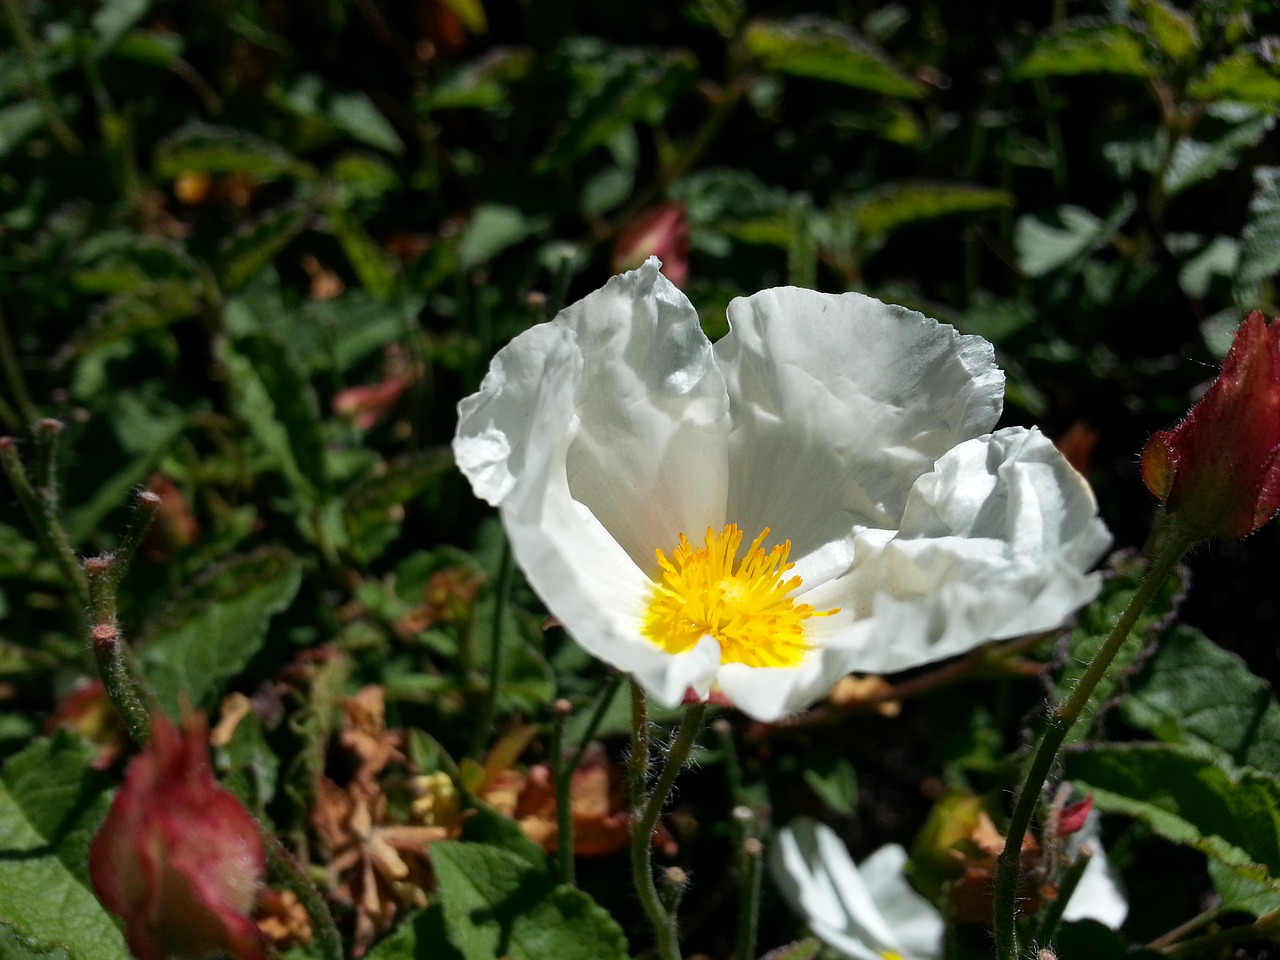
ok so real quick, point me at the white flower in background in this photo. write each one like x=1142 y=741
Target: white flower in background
x=843 y=439
x=1098 y=895
x=870 y=911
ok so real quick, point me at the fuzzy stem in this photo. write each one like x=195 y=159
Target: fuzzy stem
x=1060 y=722
x=285 y=869
x=646 y=810
x=120 y=684
x=49 y=531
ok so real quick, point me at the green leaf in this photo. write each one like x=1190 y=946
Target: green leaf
x=276 y=401
x=213 y=629
x=898 y=204
x=367 y=259
x=355 y=114
x=1045 y=247
x=1173 y=30
x=1240 y=893
x=1260 y=238
x=1238 y=128
x=615 y=88
x=834 y=780
x=17 y=122
x=421 y=936
x=1240 y=77
x=50 y=806
x=1075 y=50
x=150 y=306
x=1216 y=258
x=484 y=83
x=249 y=251
x=496 y=905
x=205 y=148
x=371 y=514
x=144 y=426
x=112 y=20
x=493 y=228
x=1194 y=692
x=248 y=767
x=822 y=49
x=1189 y=797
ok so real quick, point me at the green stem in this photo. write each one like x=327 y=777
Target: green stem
x=285 y=869
x=593 y=724
x=750 y=851
x=502 y=595
x=1060 y=722
x=1263 y=927
x=646 y=810
x=13 y=375
x=53 y=538
x=563 y=774
x=35 y=77
x=122 y=690
x=1053 y=911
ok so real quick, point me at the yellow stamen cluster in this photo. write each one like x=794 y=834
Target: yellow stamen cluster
x=746 y=606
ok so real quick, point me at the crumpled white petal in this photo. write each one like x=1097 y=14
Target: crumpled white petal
x=851 y=428
x=993 y=543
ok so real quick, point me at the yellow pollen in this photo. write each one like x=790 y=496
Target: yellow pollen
x=746 y=606
x=891 y=955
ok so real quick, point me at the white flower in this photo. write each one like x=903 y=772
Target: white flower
x=844 y=439
x=870 y=912
x=1098 y=895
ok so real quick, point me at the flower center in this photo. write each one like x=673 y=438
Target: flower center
x=746 y=606
x=891 y=955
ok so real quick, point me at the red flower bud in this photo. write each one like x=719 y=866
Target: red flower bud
x=178 y=858
x=660 y=232
x=1217 y=470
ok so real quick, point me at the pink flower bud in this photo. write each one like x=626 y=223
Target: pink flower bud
x=178 y=858
x=1217 y=470
x=367 y=405
x=660 y=232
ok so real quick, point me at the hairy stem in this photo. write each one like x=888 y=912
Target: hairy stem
x=1060 y=722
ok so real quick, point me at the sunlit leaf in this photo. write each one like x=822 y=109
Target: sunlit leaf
x=898 y=204
x=204 y=148
x=496 y=905
x=1190 y=797
x=826 y=50
x=50 y=806
x=1075 y=50
x=1241 y=77
x=212 y=630
x=1194 y=692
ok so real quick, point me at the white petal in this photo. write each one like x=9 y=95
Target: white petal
x=578 y=569
x=1098 y=895
x=650 y=459
x=815 y=873
x=916 y=923
x=767 y=693
x=602 y=436
x=995 y=542
x=839 y=403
